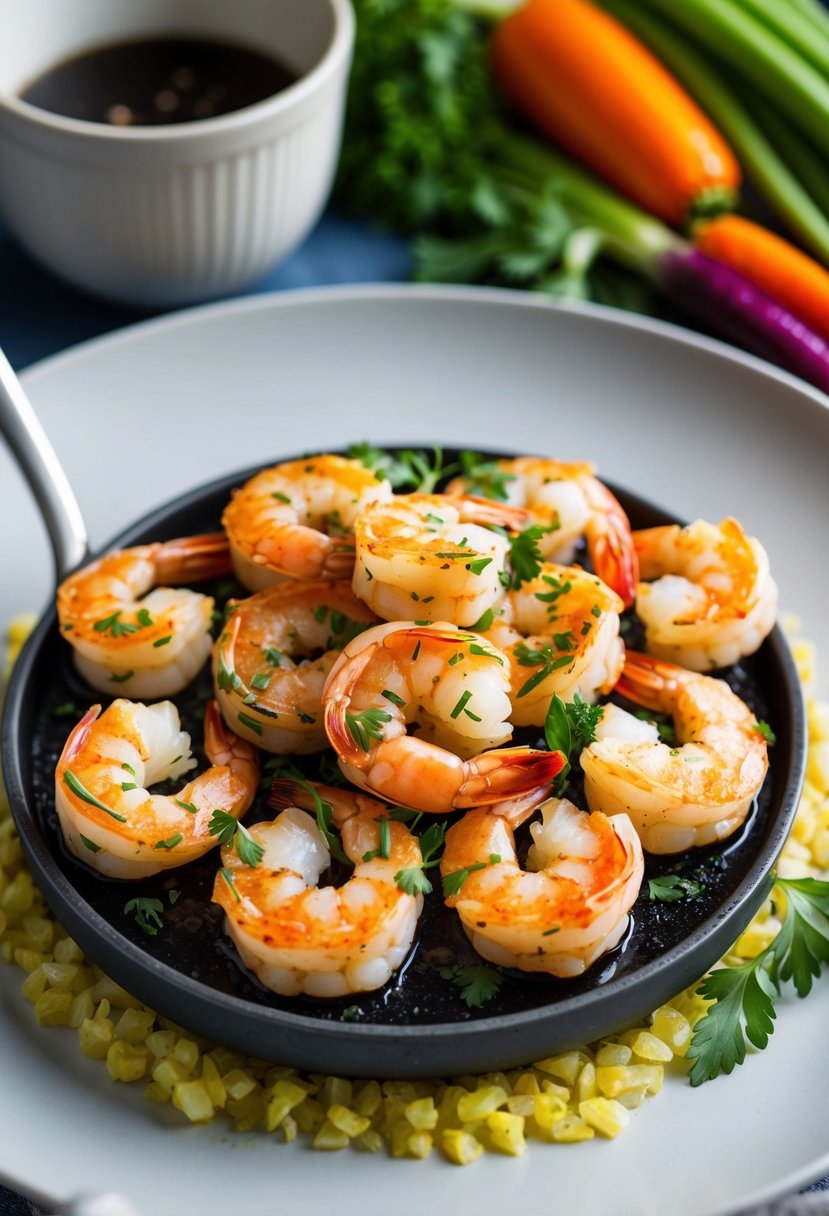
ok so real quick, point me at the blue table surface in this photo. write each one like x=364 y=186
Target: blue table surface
x=40 y=316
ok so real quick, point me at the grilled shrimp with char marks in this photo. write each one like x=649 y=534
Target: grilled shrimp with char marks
x=449 y=685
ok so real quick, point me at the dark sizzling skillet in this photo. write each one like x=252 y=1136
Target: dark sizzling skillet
x=418 y=1025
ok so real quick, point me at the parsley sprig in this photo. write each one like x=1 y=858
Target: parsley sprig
x=229 y=831
x=525 y=558
x=568 y=727
x=367 y=726
x=744 y=996
x=477 y=984
x=413 y=879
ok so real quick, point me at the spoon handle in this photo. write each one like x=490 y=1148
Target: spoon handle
x=36 y=458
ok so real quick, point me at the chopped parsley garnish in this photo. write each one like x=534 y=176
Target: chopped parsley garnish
x=366 y=726
x=80 y=791
x=670 y=887
x=525 y=557
x=408 y=469
x=187 y=806
x=162 y=641
x=413 y=880
x=114 y=625
x=228 y=831
x=228 y=877
x=170 y=843
x=384 y=850
x=147 y=913
x=122 y=679
x=765 y=730
x=90 y=844
x=477 y=984
x=568 y=727
x=272 y=655
x=250 y=722
x=393 y=697
x=484 y=477
x=261 y=680
x=545 y=658
x=453 y=882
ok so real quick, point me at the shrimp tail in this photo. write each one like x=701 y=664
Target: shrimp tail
x=489 y=514
x=192 y=559
x=648 y=681
x=223 y=747
x=78 y=735
x=611 y=544
x=508 y=773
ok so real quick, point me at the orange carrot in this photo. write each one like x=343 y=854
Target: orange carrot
x=587 y=82
x=793 y=278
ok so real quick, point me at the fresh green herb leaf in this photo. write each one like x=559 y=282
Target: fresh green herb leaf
x=122 y=679
x=90 y=844
x=250 y=723
x=170 y=843
x=228 y=831
x=114 y=625
x=477 y=984
x=453 y=882
x=228 y=877
x=525 y=557
x=162 y=641
x=366 y=726
x=261 y=680
x=484 y=477
x=765 y=730
x=147 y=913
x=744 y=995
x=189 y=807
x=393 y=697
x=83 y=793
x=670 y=887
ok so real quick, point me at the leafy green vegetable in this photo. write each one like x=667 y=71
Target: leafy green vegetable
x=744 y=996
x=428 y=150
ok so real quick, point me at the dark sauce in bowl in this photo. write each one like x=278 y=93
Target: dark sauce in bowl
x=158 y=81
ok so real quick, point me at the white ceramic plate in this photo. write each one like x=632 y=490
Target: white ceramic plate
x=161 y=407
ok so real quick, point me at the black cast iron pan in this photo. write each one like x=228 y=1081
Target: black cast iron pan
x=419 y=1025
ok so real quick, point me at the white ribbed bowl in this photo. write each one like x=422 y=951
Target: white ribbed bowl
x=172 y=214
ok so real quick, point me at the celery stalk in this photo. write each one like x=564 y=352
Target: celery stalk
x=758 y=55
x=785 y=191
x=799 y=31
x=804 y=160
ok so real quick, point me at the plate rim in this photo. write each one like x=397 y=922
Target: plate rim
x=806 y=394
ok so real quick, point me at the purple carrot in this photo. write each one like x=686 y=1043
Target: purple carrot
x=724 y=303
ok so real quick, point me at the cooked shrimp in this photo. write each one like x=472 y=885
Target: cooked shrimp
x=560 y=632
x=694 y=793
x=568 y=908
x=108 y=816
x=455 y=688
x=713 y=599
x=325 y=941
x=569 y=499
x=296 y=520
x=432 y=557
x=272 y=659
x=132 y=634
